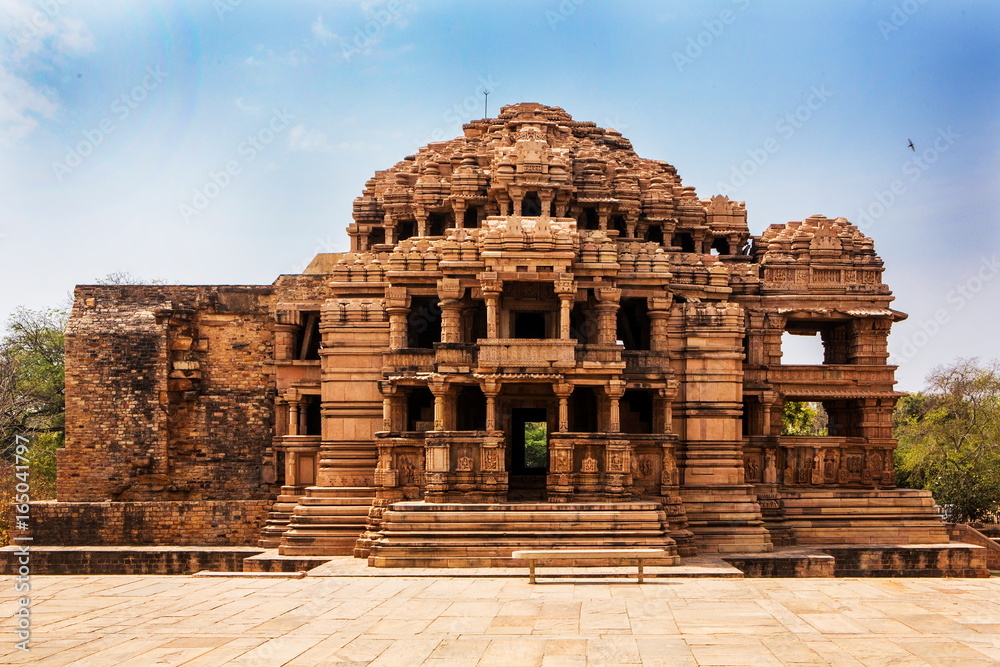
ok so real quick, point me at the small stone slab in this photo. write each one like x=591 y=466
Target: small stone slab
x=251 y=575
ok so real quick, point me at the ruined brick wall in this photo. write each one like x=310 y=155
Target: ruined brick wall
x=169 y=393
x=110 y=523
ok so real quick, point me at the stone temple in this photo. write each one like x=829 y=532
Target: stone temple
x=537 y=339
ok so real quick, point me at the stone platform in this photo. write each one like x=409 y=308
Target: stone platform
x=417 y=534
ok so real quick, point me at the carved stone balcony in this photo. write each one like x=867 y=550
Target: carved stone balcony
x=832 y=380
x=409 y=359
x=529 y=354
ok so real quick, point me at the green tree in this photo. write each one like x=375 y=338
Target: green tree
x=535 y=445
x=32 y=403
x=803 y=418
x=949 y=438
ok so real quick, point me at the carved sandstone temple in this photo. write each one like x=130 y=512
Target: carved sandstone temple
x=538 y=338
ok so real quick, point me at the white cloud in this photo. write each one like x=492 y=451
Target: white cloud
x=321 y=32
x=300 y=138
x=39 y=34
x=247 y=107
x=21 y=104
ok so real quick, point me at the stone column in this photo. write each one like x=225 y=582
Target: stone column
x=614 y=390
x=293 y=413
x=450 y=295
x=563 y=392
x=397 y=306
x=491 y=296
x=607 y=314
x=659 y=313
x=565 y=306
x=440 y=390
x=490 y=390
x=303 y=419
x=390 y=229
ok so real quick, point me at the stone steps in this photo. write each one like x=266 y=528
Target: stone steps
x=327 y=522
x=854 y=517
x=485 y=535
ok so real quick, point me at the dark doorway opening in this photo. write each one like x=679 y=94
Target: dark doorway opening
x=471 y=414
x=529 y=453
x=531 y=205
x=420 y=409
x=529 y=325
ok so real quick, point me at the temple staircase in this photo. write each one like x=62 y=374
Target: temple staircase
x=417 y=534
x=327 y=521
x=849 y=517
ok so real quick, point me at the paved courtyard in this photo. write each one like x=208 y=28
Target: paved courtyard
x=504 y=621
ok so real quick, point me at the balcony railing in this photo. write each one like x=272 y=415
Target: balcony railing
x=802 y=380
x=526 y=353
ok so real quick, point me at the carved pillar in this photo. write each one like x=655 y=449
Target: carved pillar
x=293 y=412
x=303 y=419
x=490 y=390
x=614 y=390
x=390 y=229
x=607 y=314
x=491 y=295
x=441 y=408
x=421 y=217
x=659 y=312
x=398 y=308
x=450 y=295
x=563 y=391
x=546 y=196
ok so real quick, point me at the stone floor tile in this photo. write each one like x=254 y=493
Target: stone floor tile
x=613 y=651
x=504 y=652
x=460 y=649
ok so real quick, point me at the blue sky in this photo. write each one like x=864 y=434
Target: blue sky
x=222 y=141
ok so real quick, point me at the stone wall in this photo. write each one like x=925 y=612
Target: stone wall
x=169 y=393
x=113 y=560
x=111 y=523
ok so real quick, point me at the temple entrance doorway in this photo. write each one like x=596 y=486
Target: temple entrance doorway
x=529 y=443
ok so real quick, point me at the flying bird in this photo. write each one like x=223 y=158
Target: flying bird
x=911 y=145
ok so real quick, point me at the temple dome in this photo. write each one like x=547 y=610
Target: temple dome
x=534 y=160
